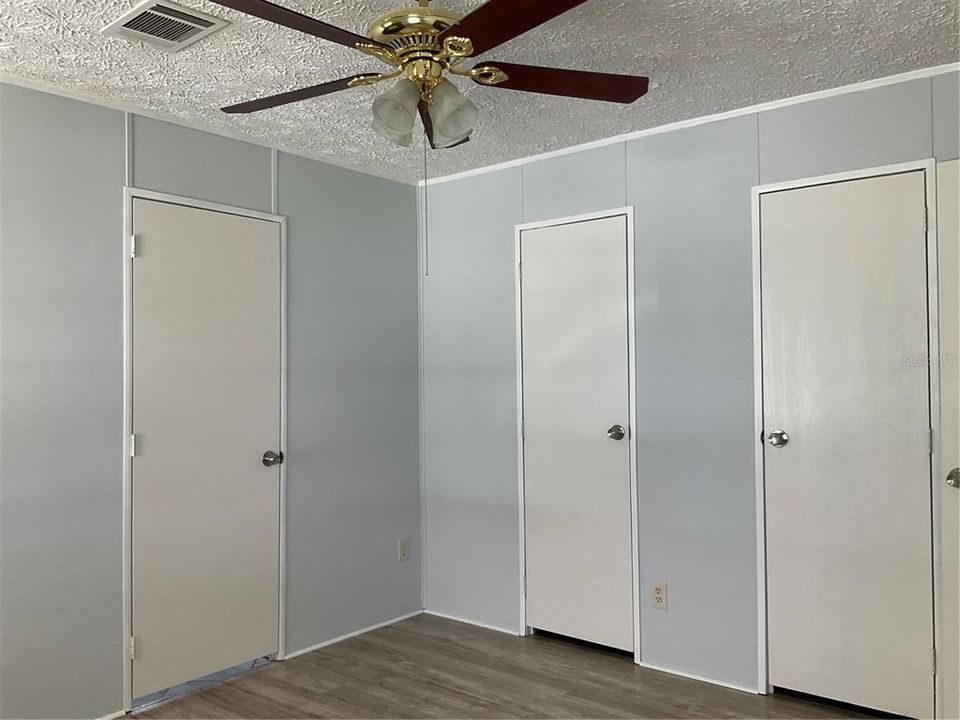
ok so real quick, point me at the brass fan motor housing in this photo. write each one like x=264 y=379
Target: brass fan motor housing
x=409 y=26
x=415 y=50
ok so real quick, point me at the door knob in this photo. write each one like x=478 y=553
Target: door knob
x=271 y=458
x=616 y=432
x=953 y=478
x=778 y=438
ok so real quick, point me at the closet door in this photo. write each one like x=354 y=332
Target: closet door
x=206 y=406
x=847 y=423
x=576 y=437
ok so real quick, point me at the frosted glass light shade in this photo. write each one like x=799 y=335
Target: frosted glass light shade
x=395 y=111
x=453 y=115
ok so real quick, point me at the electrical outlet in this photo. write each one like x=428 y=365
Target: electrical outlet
x=403 y=549
x=658 y=594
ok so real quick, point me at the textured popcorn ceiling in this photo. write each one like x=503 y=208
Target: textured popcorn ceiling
x=703 y=57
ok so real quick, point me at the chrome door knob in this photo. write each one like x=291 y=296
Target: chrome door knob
x=616 y=432
x=953 y=478
x=778 y=438
x=271 y=458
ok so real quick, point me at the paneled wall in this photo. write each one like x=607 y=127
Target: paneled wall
x=691 y=192
x=353 y=473
x=694 y=434
x=353 y=478
x=470 y=431
x=61 y=405
x=353 y=415
x=178 y=160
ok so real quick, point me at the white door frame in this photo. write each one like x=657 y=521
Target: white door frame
x=129 y=195
x=928 y=167
x=626 y=212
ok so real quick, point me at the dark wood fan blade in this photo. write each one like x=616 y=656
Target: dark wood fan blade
x=497 y=21
x=572 y=83
x=291 y=96
x=298 y=21
x=428 y=126
x=427 y=122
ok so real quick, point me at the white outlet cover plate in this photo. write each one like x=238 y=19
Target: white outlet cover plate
x=658 y=595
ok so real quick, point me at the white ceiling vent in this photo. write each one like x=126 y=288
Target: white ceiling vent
x=164 y=25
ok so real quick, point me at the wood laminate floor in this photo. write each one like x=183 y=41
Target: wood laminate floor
x=428 y=667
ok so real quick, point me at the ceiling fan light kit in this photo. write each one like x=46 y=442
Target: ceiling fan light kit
x=395 y=111
x=421 y=45
x=453 y=115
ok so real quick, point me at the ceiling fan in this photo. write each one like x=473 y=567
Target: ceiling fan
x=421 y=44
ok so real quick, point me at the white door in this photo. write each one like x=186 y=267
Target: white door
x=948 y=234
x=206 y=405
x=848 y=502
x=576 y=456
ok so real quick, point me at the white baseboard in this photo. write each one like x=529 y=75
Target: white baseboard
x=114 y=715
x=445 y=616
x=700 y=678
x=335 y=640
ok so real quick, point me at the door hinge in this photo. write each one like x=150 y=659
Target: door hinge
x=133 y=647
x=519 y=272
x=926 y=220
x=933 y=653
x=133 y=445
x=133 y=246
x=930 y=441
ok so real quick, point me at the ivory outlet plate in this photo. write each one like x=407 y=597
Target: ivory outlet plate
x=403 y=549
x=658 y=594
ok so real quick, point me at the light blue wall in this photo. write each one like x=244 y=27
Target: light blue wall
x=353 y=472
x=60 y=371
x=694 y=308
x=946 y=116
x=353 y=391
x=574 y=184
x=470 y=396
x=691 y=192
x=181 y=161
x=61 y=406
x=887 y=125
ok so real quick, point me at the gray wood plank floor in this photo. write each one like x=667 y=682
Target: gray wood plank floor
x=428 y=667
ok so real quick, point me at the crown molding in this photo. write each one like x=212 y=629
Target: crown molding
x=693 y=122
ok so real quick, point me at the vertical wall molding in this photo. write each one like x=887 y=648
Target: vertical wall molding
x=421 y=404
x=274 y=181
x=128 y=149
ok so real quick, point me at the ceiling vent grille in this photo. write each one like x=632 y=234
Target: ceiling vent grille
x=164 y=25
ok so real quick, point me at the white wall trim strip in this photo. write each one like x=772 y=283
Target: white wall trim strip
x=349 y=635
x=693 y=122
x=477 y=623
x=274 y=181
x=128 y=149
x=421 y=386
x=699 y=678
x=114 y=715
